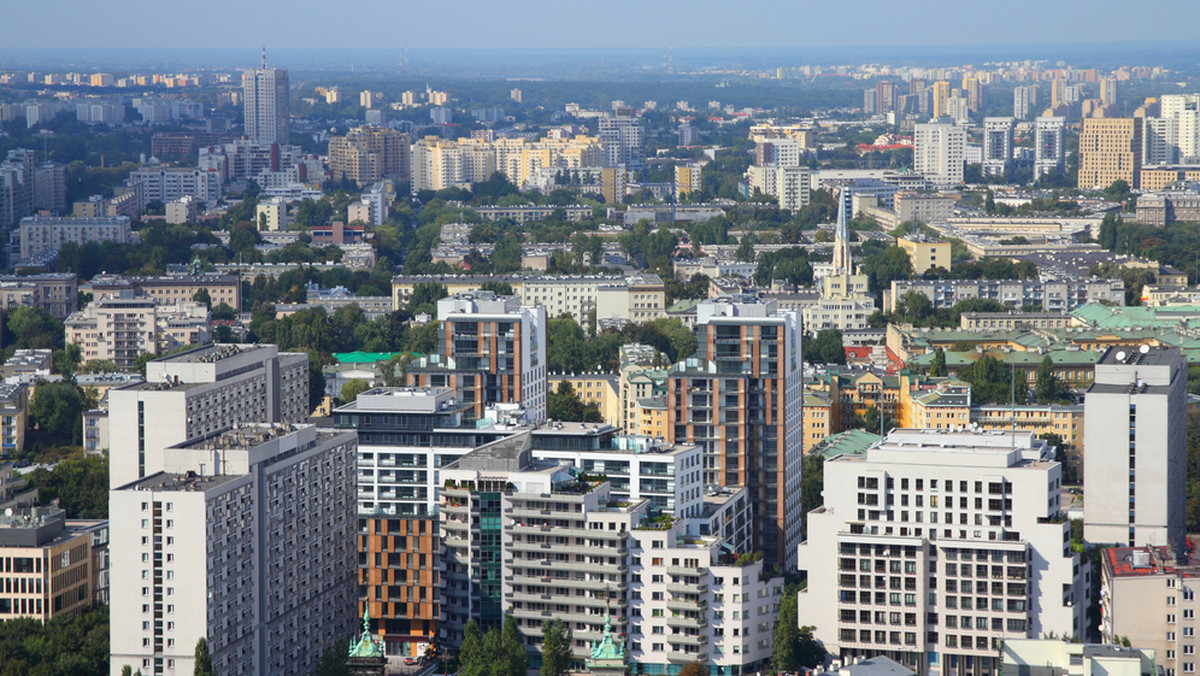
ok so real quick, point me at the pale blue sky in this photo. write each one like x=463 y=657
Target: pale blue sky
x=602 y=23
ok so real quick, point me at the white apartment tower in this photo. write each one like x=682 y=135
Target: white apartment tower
x=935 y=546
x=265 y=91
x=246 y=540
x=1135 y=432
x=1174 y=136
x=199 y=392
x=1025 y=101
x=939 y=151
x=621 y=138
x=997 y=145
x=1049 y=154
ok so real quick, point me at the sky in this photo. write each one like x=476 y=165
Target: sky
x=572 y=23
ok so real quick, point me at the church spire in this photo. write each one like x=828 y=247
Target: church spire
x=842 y=264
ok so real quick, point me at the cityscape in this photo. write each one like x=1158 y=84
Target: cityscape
x=629 y=358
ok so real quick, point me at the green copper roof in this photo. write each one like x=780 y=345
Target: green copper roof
x=607 y=653
x=366 y=357
x=366 y=645
x=849 y=442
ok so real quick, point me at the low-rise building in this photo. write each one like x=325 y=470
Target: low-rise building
x=1148 y=596
x=1061 y=295
x=54 y=292
x=1046 y=656
x=600 y=389
x=124 y=327
x=1013 y=320
x=925 y=252
x=42 y=236
x=14 y=414
x=170 y=289
x=48 y=564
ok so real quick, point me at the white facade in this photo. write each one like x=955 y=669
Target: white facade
x=1174 y=137
x=42 y=235
x=621 y=139
x=843 y=314
x=166 y=184
x=265 y=91
x=1136 y=442
x=199 y=392
x=934 y=546
x=1148 y=595
x=1025 y=101
x=122 y=328
x=939 y=151
x=997 y=145
x=790 y=185
x=1048 y=149
x=247 y=541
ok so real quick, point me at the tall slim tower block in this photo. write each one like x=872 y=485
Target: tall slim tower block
x=1048 y=153
x=1135 y=433
x=491 y=350
x=739 y=398
x=265 y=91
x=997 y=145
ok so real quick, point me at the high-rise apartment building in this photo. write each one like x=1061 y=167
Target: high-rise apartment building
x=739 y=398
x=940 y=91
x=1135 y=436
x=1174 y=136
x=491 y=350
x=369 y=154
x=1108 y=91
x=935 y=546
x=885 y=96
x=621 y=138
x=788 y=184
x=198 y=392
x=1110 y=149
x=1048 y=148
x=1025 y=101
x=266 y=96
x=540 y=539
x=245 y=539
x=939 y=152
x=997 y=145
x=120 y=328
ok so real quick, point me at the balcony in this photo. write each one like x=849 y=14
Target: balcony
x=687 y=588
x=685 y=622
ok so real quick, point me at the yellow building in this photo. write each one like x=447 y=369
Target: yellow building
x=48 y=567
x=820 y=419
x=1153 y=179
x=941 y=97
x=636 y=383
x=687 y=178
x=594 y=388
x=369 y=154
x=652 y=417
x=946 y=406
x=925 y=252
x=1110 y=149
x=845 y=287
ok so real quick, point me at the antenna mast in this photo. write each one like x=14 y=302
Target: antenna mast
x=264 y=57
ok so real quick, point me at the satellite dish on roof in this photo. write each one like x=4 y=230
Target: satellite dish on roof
x=1144 y=349
x=1121 y=355
x=8 y=512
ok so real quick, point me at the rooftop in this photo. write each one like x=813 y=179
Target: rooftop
x=189 y=481
x=1147 y=561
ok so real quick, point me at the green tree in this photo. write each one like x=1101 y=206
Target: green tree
x=333 y=661
x=223 y=312
x=812 y=653
x=812 y=483
x=99 y=366
x=69 y=643
x=471 y=657
x=55 y=412
x=785 y=655
x=826 y=348
x=353 y=388
x=993 y=382
x=66 y=361
x=79 y=485
x=34 y=328
x=1049 y=388
x=883 y=267
x=564 y=404
x=871 y=421
x=937 y=368
x=565 y=344
x=139 y=364
x=514 y=650
x=204 y=666
x=557 y=638
x=424 y=298
x=202 y=296
x=693 y=669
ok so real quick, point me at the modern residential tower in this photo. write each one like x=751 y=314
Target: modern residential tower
x=265 y=91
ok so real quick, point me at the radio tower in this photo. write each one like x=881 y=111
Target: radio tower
x=264 y=58
x=669 y=60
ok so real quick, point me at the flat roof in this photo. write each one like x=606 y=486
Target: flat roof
x=190 y=481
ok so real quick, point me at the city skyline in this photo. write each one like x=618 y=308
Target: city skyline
x=624 y=24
